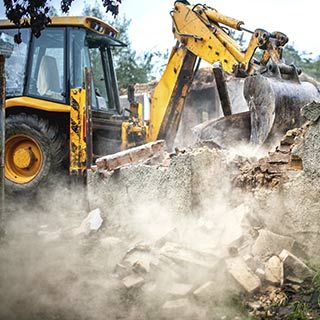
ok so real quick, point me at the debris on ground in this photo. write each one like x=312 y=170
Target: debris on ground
x=188 y=234
x=92 y=222
x=254 y=260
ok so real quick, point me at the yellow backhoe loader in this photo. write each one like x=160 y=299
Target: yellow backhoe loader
x=63 y=108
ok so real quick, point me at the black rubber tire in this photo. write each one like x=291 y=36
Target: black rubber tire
x=52 y=142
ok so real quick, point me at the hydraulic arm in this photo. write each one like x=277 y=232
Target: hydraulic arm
x=204 y=33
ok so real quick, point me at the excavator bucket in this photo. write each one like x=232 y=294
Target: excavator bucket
x=274 y=105
x=227 y=131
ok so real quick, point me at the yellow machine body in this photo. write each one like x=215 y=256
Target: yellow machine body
x=200 y=33
x=78 y=120
x=164 y=90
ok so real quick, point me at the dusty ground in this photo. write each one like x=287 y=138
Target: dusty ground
x=188 y=221
x=46 y=272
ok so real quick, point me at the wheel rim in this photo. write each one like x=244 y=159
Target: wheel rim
x=23 y=159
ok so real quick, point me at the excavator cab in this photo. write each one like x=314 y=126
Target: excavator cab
x=54 y=117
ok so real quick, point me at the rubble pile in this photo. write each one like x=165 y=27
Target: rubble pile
x=272 y=170
x=173 y=238
x=232 y=244
x=291 y=208
x=297 y=152
x=173 y=277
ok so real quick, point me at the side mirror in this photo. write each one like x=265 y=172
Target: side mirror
x=130 y=93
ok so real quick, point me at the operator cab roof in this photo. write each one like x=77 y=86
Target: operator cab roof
x=95 y=25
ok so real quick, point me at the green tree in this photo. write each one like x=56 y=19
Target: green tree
x=130 y=67
x=302 y=60
x=36 y=14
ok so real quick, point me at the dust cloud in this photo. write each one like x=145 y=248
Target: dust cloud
x=47 y=271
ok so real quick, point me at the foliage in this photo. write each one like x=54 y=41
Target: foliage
x=301 y=312
x=302 y=60
x=36 y=13
x=130 y=67
x=316 y=284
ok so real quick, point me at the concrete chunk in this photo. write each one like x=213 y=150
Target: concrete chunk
x=294 y=268
x=274 y=271
x=133 y=155
x=133 y=281
x=269 y=244
x=249 y=260
x=175 y=308
x=188 y=256
x=179 y=289
x=139 y=259
x=261 y=274
x=239 y=270
x=92 y=222
x=142 y=266
x=205 y=292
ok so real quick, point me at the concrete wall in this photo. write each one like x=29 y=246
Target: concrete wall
x=183 y=187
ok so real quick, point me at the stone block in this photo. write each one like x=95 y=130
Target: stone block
x=294 y=268
x=274 y=271
x=239 y=270
x=133 y=281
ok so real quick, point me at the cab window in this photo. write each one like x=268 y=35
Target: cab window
x=47 y=66
x=99 y=79
x=15 y=66
x=104 y=77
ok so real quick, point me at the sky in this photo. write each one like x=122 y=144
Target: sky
x=150 y=27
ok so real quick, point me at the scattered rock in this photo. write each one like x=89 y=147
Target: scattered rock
x=133 y=281
x=294 y=269
x=274 y=271
x=205 y=292
x=269 y=244
x=141 y=266
x=92 y=222
x=250 y=261
x=188 y=256
x=179 y=289
x=242 y=274
x=139 y=260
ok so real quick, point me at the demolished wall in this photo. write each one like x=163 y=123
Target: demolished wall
x=291 y=205
x=212 y=225
x=178 y=184
x=284 y=185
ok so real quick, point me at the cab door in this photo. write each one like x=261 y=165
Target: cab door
x=93 y=52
